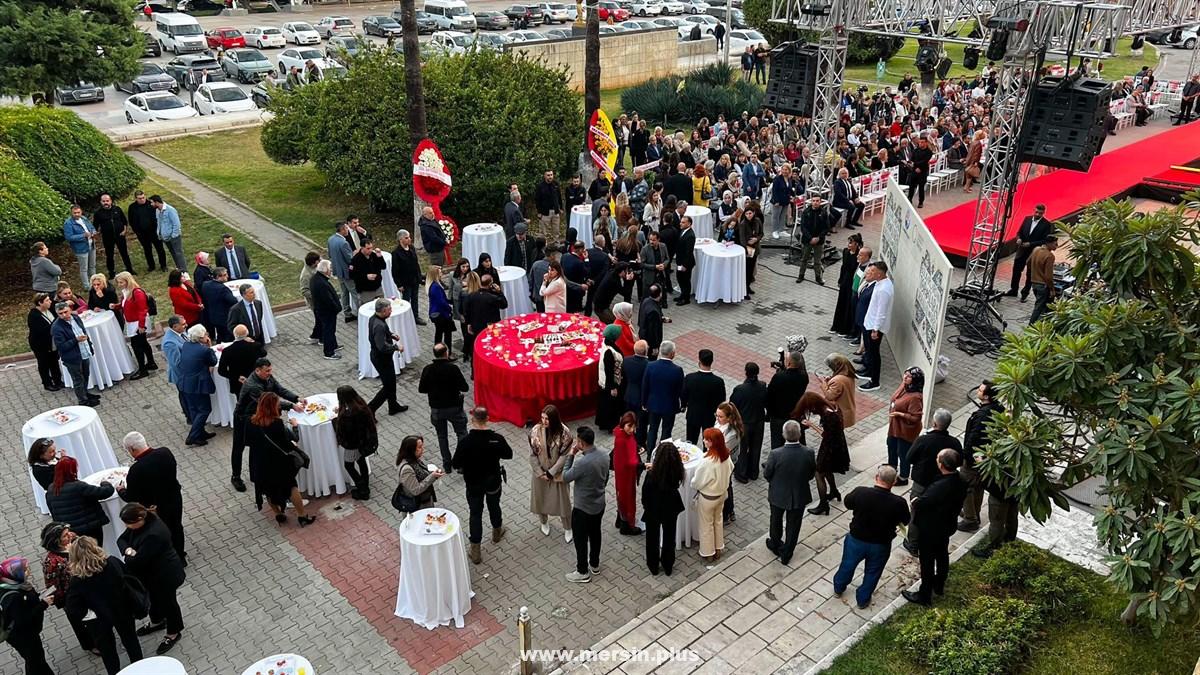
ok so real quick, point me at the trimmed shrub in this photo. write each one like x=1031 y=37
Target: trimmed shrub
x=707 y=92
x=1054 y=585
x=70 y=155
x=989 y=636
x=29 y=209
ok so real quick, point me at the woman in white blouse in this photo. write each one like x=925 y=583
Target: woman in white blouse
x=554 y=289
x=711 y=483
x=654 y=206
x=729 y=423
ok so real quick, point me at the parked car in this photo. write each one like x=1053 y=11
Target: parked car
x=558 y=34
x=647 y=7
x=329 y=26
x=519 y=36
x=1187 y=39
x=156 y=106
x=556 y=12
x=524 y=15
x=382 y=25
x=612 y=9
x=634 y=24
x=261 y=92
x=426 y=24
x=300 y=33
x=297 y=57
x=343 y=46
x=491 y=20
x=696 y=6
x=742 y=38
x=668 y=22
x=152 y=78
x=735 y=16
x=81 y=92
x=204 y=66
x=221 y=97
x=674 y=7
x=451 y=42
x=225 y=37
x=490 y=41
x=264 y=36
x=152 y=46
x=708 y=24
x=246 y=65
x=605 y=29
x=1169 y=37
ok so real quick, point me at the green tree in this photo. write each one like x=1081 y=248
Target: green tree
x=862 y=49
x=1108 y=385
x=46 y=43
x=30 y=210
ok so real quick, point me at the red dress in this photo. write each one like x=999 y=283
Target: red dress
x=625 y=462
x=625 y=342
x=187 y=304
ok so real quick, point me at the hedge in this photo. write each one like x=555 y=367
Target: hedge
x=707 y=92
x=990 y=635
x=29 y=209
x=70 y=155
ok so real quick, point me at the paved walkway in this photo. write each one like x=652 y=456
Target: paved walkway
x=279 y=239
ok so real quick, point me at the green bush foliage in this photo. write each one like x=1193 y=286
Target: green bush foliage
x=29 y=209
x=863 y=49
x=498 y=118
x=707 y=92
x=989 y=636
x=1054 y=585
x=70 y=155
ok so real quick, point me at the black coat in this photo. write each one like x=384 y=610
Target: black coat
x=513 y=257
x=922 y=455
x=155 y=561
x=40 y=340
x=325 y=298
x=843 y=312
x=364 y=265
x=750 y=398
x=685 y=249
x=650 y=324
x=110 y=223
x=976 y=436
x=103 y=593
x=478 y=457
x=935 y=512
x=482 y=308
x=253 y=389
x=702 y=393
x=784 y=391
x=660 y=503
x=43 y=474
x=679 y=185
x=237 y=361
x=23 y=613
x=105 y=300
x=406 y=268
x=78 y=505
x=271 y=468
x=152 y=481
x=356 y=431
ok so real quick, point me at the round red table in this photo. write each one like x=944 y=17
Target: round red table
x=514 y=384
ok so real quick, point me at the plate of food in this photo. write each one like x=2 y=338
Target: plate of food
x=314 y=407
x=703 y=241
x=62 y=417
x=435 y=523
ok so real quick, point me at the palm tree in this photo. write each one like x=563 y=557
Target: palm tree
x=413 y=88
x=591 y=67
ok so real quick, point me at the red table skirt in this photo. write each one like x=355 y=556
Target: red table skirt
x=516 y=396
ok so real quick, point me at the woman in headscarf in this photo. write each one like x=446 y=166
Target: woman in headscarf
x=98 y=585
x=146 y=543
x=904 y=420
x=56 y=538
x=623 y=311
x=611 y=402
x=485 y=267
x=550 y=442
x=833 y=456
x=627 y=466
x=23 y=611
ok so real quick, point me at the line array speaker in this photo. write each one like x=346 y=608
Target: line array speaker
x=792 y=85
x=1065 y=127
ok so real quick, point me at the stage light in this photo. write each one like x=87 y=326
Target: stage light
x=943 y=68
x=998 y=47
x=971 y=58
x=927 y=58
x=1008 y=23
x=816 y=8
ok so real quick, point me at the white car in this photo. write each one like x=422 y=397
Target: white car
x=156 y=106
x=696 y=6
x=301 y=33
x=519 y=36
x=221 y=97
x=329 y=26
x=708 y=24
x=556 y=12
x=452 y=42
x=668 y=22
x=298 y=57
x=647 y=8
x=674 y=7
x=264 y=36
x=634 y=24
x=1187 y=39
x=740 y=39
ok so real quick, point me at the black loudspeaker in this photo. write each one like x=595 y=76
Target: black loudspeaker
x=998 y=46
x=792 y=85
x=927 y=58
x=1138 y=42
x=943 y=68
x=971 y=58
x=1065 y=127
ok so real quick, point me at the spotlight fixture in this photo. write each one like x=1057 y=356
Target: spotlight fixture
x=998 y=46
x=816 y=8
x=971 y=58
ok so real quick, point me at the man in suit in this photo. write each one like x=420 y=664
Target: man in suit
x=846 y=199
x=367 y=267
x=218 y=300
x=662 y=394
x=814 y=226
x=634 y=369
x=622 y=184
x=789 y=470
x=685 y=260
x=341 y=255
x=173 y=340
x=678 y=184
x=650 y=319
x=432 y=236
x=111 y=222
x=238 y=359
x=152 y=482
x=538 y=271
x=195 y=383
x=1034 y=231
x=75 y=351
x=233 y=258
x=406 y=272
x=784 y=391
x=703 y=391
x=876 y=323
x=81 y=235
x=356 y=234
x=513 y=213
x=248 y=312
x=520 y=251
x=750 y=398
x=575 y=271
x=935 y=513
x=922 y=458
x=922 y=155
x=598 y=264
x=326 y=306
x=384 y=344
x=655 y=262
x=259 y=382
x=877 y=513
x=1187 y=101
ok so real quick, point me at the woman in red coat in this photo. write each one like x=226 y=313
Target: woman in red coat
x=627 y=464
x=623 y=311
x=184 y=298
x=135 y=308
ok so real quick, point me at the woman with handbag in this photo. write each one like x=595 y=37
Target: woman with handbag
x=357 y=435
x=275 y=459
x=23 y=612
x=99 y=585
x=150 y=556
x=415 y=491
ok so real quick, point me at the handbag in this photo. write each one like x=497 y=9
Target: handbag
x=403 y=502
x=137 y=600
x=300 y=459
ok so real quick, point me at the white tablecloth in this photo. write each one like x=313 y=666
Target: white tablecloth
x=483 y=238
x=516 y=290
x=720 y=272
x=112 y=506
x=260 y=293
x=111 y=359
x=402 y=323
x=390 y=290
x=281 y=664
x=435 y=581
x=581 y=220
x=155 y=665
x=702 y=220
x=222 y=400
x=325 y=468
x=83 y=438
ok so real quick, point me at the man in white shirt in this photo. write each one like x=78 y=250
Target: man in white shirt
x=877 y=323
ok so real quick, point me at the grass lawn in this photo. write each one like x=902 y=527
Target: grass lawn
x=1094 y=642
x=199 y=231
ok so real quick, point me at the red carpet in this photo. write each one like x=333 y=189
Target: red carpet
x=1066 y=192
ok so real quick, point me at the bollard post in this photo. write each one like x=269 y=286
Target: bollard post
x=524 y=641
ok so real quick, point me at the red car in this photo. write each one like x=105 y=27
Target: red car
x=225 y=37
x=612 y=9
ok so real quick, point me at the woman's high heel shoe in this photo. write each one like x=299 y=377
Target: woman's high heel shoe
x=834 y=494
x=280 y=518
x=305 y=521
x=821 y=509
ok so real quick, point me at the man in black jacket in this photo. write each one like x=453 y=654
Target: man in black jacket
x=598 y=264
x=144 y=221
x=432 y=237
x=922 y=155
x=259 y=382
x=678 y=184
x=922 y=457
x=784 y=391
x=384 y=346
x=789 y=470
x=814 y=226
x=575 y=273
x=547 y=197
x=575 y=193
x=877 y=513
x=111 y=222
x=650 y=319
x=477 y=458
x=152 y=482
x=633 y=367
x=326 y=305
x=1033 y=233
x=480 y=310
x=685 y=260
x=935 y=513
x=218 y=300
x=975 y=437
x=406 y=272
x=520 y=251
x=443 y=383
x=703 y=391
x=750 y=398
x=615 y=281
x=367 y=268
